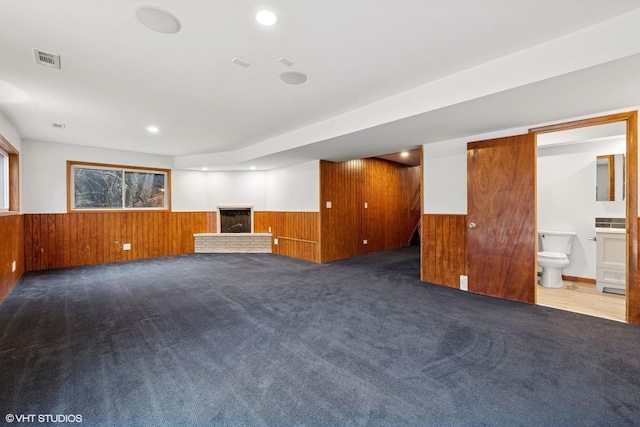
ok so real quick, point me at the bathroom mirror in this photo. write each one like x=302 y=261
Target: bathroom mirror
x=610 y=178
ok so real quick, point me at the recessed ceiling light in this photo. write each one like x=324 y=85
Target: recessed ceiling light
x=205 y=168
x=404 y=154
x=293 y=77
x=157 y=19
x=153 y=129
x=253 y=168
x=266 y=18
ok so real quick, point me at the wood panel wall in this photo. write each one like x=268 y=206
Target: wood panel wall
x=64 y=240
x=298 y=233
x=387 y=221
x=11 y=249
x=443 y=249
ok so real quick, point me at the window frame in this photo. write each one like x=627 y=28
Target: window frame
x=13 y=183
x=72 y=165
x=4 y=180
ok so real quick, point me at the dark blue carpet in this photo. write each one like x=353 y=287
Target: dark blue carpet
x=262 y=340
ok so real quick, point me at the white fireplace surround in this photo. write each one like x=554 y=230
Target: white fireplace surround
x=232 y=207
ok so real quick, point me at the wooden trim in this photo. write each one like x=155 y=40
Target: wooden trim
x=611 y=180
x=297 y=240
x=14 y=174
x=579 y=279
x=422 y=186
x=71 y=209
x=602 y=120
x=631 y=197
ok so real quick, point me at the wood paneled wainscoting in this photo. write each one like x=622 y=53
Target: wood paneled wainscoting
x=443 y=249
x=298 y=233
x=11 y=251
x=64 y=240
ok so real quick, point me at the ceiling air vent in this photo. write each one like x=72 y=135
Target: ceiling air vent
x=46 y=58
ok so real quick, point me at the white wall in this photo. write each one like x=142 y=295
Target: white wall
x=445 y=177
x=9 y=133
x=237 y=188
x=44 y=171
x=566 y=197
x=294 y=188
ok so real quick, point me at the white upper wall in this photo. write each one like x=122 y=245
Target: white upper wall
x=44 y=171
x=293 y=188
x=445 y=166
x=245 y=188
x=9 y=133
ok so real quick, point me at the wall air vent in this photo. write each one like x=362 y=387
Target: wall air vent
x=46 y=58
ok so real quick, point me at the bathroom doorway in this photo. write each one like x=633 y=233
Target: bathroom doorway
x=571 y=197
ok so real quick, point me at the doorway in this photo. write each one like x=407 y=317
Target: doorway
x=494 y=255
x=629 y=119
x=580 y=191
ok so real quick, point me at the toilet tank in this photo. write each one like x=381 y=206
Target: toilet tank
x=556 y=241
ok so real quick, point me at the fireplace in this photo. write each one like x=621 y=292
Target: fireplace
x=235 y=219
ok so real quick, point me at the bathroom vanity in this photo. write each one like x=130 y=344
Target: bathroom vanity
x=611 y=259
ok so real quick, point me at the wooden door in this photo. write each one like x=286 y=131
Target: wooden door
x=501 y=255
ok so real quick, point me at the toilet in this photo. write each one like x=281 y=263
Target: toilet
x=555 y=246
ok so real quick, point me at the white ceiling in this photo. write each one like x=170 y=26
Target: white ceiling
x=383 y=75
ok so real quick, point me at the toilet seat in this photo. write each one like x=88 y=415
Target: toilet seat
x=555 y=256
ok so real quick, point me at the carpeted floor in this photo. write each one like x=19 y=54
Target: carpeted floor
x=206 y=340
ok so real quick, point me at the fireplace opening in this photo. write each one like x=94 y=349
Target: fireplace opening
x=235 y=220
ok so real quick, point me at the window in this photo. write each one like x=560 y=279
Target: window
x=4 y=181
x=109 y=187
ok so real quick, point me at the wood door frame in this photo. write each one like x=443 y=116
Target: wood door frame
x=631 y=177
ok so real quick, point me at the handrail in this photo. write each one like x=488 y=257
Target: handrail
x=416 y=199
x=297 y=240
x=417 y=227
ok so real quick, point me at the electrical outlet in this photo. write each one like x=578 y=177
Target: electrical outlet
x=126 y=246
x=366 y=205
x=13 y=267
x=364 y=242
x=464 y=283
x=269 y=229
x=328 y=205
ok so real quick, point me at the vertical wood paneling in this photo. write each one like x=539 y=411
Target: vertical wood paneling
x=11 y=249
x=298 y=233
x=387 y=222
x=443 y=249
x=64 y=240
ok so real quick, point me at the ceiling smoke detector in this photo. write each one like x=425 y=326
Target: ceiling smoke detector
x=293 y=77
x=47 y=59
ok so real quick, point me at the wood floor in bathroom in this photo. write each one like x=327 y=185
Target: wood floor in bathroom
x=583 y=298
